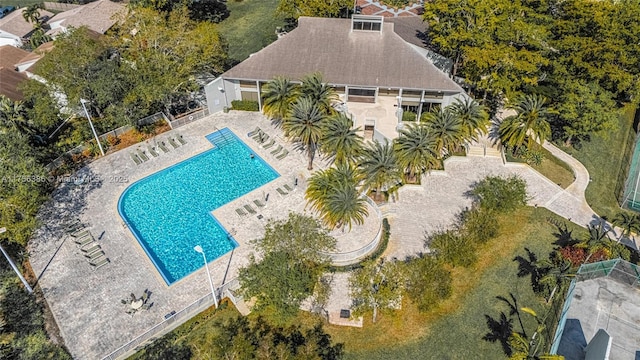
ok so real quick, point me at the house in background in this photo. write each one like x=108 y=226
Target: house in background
x=98 y=16
x=10 y=78
x=376 y=72
x=14 y=29
x=27 y=63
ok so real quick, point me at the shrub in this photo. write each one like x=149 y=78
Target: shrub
x=245 y=105
x=452 y=248
x=501 y=194
x=479 y=224
x=428 y=282
x=409 y=116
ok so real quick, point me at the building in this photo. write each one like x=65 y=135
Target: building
x=601 y=315
x=10 y=78
x=14 y=29
x=98 y=16
x=374 y=70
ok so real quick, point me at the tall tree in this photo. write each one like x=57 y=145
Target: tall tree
x=32 y=13
x=532 y=267
x=628 y=222
x=319 y=92
x=529 y=126
x=473 y=117
x=417 y=150
x=376 y=286
x=277 y=97
x=315 y=8
x=293 y=257
x=447 y=131
x=341 y=142
x=379 y=168
x=305 y=125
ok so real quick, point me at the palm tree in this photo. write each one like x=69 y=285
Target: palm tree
x=379 y=168
x=558 y=276
x=528 y=125
x=321 y=93
x=277 y=97
x=32 y=14
x=473 y=117
x=334 y=194
x=598 y=236
x=340 y=142
x=447 y=130
x=531 y=349
x=416 y=149
x=305 y=125
x=344 y=205
x=628 y=222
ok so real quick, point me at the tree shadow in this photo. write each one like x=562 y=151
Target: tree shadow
x=500 y=330
x=61 y=211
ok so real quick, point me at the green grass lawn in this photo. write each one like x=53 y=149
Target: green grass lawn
x=603 y=157
x=551 y=167
x=250 y=26
x=454 y=329
x=19 y=3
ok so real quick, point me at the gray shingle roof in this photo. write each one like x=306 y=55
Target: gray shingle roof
x=344 y=57
x=15 y=24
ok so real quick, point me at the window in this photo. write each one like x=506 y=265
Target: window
x=362 y=95
x=366 y=23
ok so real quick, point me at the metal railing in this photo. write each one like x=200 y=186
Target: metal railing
x=169 y=323
x=351 y=257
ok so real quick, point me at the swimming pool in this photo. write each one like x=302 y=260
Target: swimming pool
x=169 y=212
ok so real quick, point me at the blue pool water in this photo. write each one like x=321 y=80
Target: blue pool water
x=169 y=211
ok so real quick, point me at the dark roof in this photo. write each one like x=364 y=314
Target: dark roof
x=9 y=81
x=10 y=56
x=363 y=58
x=410 y=28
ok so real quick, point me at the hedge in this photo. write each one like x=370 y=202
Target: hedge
x=245 y=105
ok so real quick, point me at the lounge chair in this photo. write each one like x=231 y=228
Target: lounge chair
x=250 y=209
x=181 y=140
x=91 y=249
x=288 y=187
x=283 y=155
x=282 y=192
x=241 y=212
x=270 y=144
x=263 y=139
x=80 y=234
x=276 y=150
x=259 y=203
x=135 y=158
x=163 y=147
x=94 y=255
x=146 y=306
x=84 y=241
x=152 y=151
x=142 y=155
x=252 y=133
x=258 y=135
x=173 y=143
x=100 y=263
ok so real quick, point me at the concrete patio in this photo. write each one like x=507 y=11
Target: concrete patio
x=86 y=303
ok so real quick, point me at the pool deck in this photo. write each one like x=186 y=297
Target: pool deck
x=86 y=302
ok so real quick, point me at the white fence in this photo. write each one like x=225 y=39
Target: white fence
x=189 y=118
x=352 y=257
x=171 y=321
